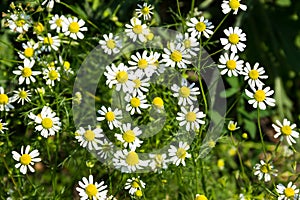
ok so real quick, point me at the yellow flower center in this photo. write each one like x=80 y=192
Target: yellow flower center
x=23 y=94
x=176 y=56
x=234 y=4
x=47 y=123
x=28 y=52
x=142 y=63
x=158 y=102
x=231 y=127
x=129 y=136
x=111 y=44
x=201 y=197
x=135 y=102
x=110 y=116
x=48 y=40
x=200 y=26
x=184 y=91
x=38 y=27
x=286 y=130
x=139 y=193
x=187 y=43
x=1 y=126
x=138 y=29
x=89 y=135
x=20 y=22
x=26 y=72
x=265 y=168
x=234 y=38
x=221 y=163
x=231 y=64
x=3 y=99
x=122 y=77
x=181 y=153
x=289 y=192
x=260 y=95
x=254 y=74
x=132 y=158
x=145 y=10
x=58 y=22
x=53 y=75
x=135 y=184
x=91 y=190
x=190 y=117
x=150 y=36
x=25 y=159
x=74 y=27
x=137 y=83
x=66 y=65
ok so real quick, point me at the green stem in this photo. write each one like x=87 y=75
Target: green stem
x=196 y=171
x=260 y=133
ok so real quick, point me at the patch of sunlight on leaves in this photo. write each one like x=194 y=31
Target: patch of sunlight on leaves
x=283 y=3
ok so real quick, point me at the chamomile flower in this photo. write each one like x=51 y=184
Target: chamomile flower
x=129 y=136
x=286 y=130
x=111 y=44
x=19 y=22
x=111 y=197
x=49 y=4
x=38 y=28
x=264 y=171
x=158 y=162
x=25 y=73
x=176 y=56
x=234 y=5
x=119 y=76
x=230 y=64
x=135 y=103
x=200 y=27
x=51 y=74
x=260 y=97
x=235 y=39
x=254 y=75
x=186 y=94
x=26 y=159
x=2 y=126
x=232 y=126
x=73 y=27
x=288 y=192
x=88 y=189
x=47 y=122
x=105 y=149
x=190 y=43
x=30 y=50
x=155 y=60
x=89 y=138
x=56 y=22
x=5 y=101
x=191 y=118
x=141 y=84
x=133 y=184
x=128 y=161
x=21 y=95
x=145 y=11
x=200 y=197
x=136 y=30
x=66 y=65
x=112 y=117
x=49 y=42
x=179 y=154
x=142 y=64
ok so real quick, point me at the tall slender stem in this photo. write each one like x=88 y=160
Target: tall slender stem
x=260 y=132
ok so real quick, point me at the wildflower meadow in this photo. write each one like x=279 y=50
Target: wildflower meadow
x=157 y=100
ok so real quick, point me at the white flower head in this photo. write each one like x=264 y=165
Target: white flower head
x=260 y=97
x=287 y=192
x=133 y=184
x=232 y=126
x=73 y=27
x=230 y=64
x=286 y=130
x=56 y=22
x=186 y=93
x=49 y=4
x=254 y=75
x=105 y=149
x=136 y=30
x=111 y=116
x=190 y=43
x=89 y=138
x=20 y=22
x=2 y=126
x=25 y=72
x=141 y=84
x=179 y=154
x=111 y=44
x=234 y=40
x=144 y=10
x=21 y=95
x=234 y=5
x=48 y=42
x=200 y=27
x=264 y=171
x=142 y=64
x=51 y=74
x=5 y=101
x=191 y=118
x=30 y=50
x=176 y=56
x=136 y=103
x=88 y=189
x=129 y=136
x=158 y=162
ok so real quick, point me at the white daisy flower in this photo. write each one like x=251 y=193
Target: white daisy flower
x=136 y=30
x=26 y=159
x=286 y=130
x=141 y=84
x=89 y=138
x=234 y=5
x=19 y=22
x=199 y=27
x=51 y=74
x=111 y=44
x=190 y=43
x=235 y=39
x=264 y=170
x=119 y=76
x=128 y=161
x=2 y=126
x=230 y=64
x=88 y=189
x=155 y=56
x=145 y=11
x=176 y=55
x=46 y=122
x=142 y=64
x=260 y=97
x=112 y=117
x=25 y=73
x=133 y=184
x=135 y=103
x=73 y=27
x=30 y=50
x=105 y=149
x=158 y=162
x=49 y=4
x=66 y=65
x=191 y=119
x=21 y=95
x=287 y=193
x=56 y=22
x=179 y=154
x=254 y=75
x=5 y=101
x=129 y=136
x=49 y=42
x=186 y=94
x=232 y=126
